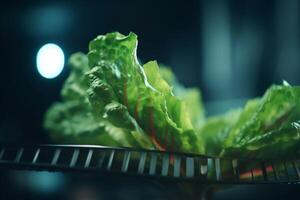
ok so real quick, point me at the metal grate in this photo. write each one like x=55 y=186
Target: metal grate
x=148 y=163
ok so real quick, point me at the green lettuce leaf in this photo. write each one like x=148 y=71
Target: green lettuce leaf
x=73 y=121
x=110 y=99
x=279 y=143
x=191 y=96
x=122 y=93
x=215 y=130
x=266 y=123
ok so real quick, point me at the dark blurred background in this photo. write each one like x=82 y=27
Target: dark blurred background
x=232 y=50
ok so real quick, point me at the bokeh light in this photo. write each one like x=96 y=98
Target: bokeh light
x=50 y=60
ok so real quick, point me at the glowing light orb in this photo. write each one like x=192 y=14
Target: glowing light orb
x=50 y=61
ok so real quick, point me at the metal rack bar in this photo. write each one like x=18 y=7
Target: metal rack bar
x=175 y=166
x=19 y=155
x=36 y=155
x=235 y=168
x=110 y=160
x=153 y=162
x=101 y=160
x=55 y=157
x=165 y=165
x=126 y=161
x=189 y=167
x=296 y=169
x=88 y=158
x=2 y=153
x=218 y=169
x=74 y=157
x=142 y=163
x=177 y=160
x=275 y=172
x=264 y=171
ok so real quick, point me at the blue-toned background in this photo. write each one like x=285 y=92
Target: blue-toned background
x=232 y=50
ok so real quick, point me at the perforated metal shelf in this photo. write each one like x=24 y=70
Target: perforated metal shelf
x=148 y=164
